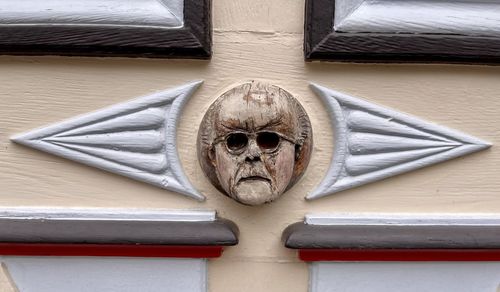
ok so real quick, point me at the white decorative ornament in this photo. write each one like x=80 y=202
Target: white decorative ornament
x=373 y=143
x=136 y=139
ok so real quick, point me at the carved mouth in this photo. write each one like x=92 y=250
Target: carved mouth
x=255 y=177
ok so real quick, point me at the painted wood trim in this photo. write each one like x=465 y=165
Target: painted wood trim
x=106 y=214
x=467 y=18
x=192 y=40
x=403 y=219
x=136 y=139
x=342 y=232
x=404 y=255
x=90 y=227
x=109 y=250
x=160 y=13
x=322 y=42
x=373 y=142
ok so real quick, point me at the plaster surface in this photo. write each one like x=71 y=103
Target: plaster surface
x=405 y=277
x=252 y=40
x=113 y=274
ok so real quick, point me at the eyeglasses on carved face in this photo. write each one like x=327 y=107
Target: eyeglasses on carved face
x=237 y=142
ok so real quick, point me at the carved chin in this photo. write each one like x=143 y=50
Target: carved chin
x=253 y=192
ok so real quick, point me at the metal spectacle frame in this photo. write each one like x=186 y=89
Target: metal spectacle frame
x=237 y=142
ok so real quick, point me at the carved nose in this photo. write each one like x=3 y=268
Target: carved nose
x=253 y=152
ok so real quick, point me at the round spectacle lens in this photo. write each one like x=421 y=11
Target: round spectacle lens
x=236 y=141
x=268 y=140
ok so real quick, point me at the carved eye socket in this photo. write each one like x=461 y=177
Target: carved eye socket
x=268 y=140
x=236 y=141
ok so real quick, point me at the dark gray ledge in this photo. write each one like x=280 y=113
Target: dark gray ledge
x=89 y=227
x=305 y=236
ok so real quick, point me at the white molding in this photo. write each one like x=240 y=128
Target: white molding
x=343 y=9
x=105 y=214
x=113 y=139
x=130 y=13
x=403 y=219
x=372 y=143
x=457 y=17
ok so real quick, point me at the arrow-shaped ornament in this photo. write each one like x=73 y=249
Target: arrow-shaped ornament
x=136 y=139
x=373 y=142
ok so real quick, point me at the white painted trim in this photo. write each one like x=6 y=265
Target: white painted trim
x=106 y=214
x=109 y=139
x=130 y=13
x=373 y=143
x=403 y=219
x=457 y=17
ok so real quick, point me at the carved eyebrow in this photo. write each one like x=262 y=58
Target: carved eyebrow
x=233 y=128
x=274 y=122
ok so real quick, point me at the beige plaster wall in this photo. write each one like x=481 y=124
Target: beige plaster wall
x=252 y=39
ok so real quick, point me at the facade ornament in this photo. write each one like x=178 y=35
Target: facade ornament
x=373 y=142
x=136 y=139
x=254 y=142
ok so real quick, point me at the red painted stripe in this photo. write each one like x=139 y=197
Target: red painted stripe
x=410 y=255
x=109 y=250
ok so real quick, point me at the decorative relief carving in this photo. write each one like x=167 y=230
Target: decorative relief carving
x=254 y=142
x=136 y=139
x=373 y=143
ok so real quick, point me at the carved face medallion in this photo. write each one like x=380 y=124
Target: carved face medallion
x=254 y=142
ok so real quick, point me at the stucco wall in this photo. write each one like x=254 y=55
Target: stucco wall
x=252 y=39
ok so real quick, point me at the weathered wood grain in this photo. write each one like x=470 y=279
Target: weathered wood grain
x=255 y=142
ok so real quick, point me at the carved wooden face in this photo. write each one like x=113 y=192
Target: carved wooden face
x=254 y=142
